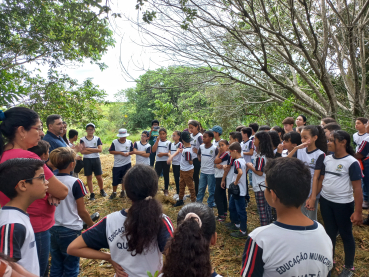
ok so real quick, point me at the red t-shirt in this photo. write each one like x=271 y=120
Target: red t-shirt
x=41 y=213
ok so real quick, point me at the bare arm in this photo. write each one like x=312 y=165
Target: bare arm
x=83 y=213
x=257 y=172
x=356 y=217
x=226 y=170
x=57 y=188
x=250 y=153
x=239 y=175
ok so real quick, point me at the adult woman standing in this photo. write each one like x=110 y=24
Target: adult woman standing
x=301 y=121
x=20 y=130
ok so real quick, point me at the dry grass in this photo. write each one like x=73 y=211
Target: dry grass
x=226 y=255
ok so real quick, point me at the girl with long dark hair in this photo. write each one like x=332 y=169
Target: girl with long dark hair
x=136 y=236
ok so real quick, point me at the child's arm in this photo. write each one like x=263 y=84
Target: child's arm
x=252 y=259
x=357 y=217
x=112 y=150
x=239 y=175
x=310 y=203
x=155 y=146
x=259 y=170
x=301 y=146
x=92 y=150
x=362 y=151
x=227 y=168
x=250 y=153
x=83 y=213
x=19 y=271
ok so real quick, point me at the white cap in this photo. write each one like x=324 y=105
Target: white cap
x=122 y=133
x=90 y=124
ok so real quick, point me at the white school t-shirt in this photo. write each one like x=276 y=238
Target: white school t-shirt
x=66 y=213
x=314 y=160
x=358 y=139
x=207 y=158
x=285 y=250
x=338 y=174
x=186 y=156
x=259 y=164
x=108 y=233
x=93 y=143
x=216 y=143
x=229 y=177
x=173 y=148
x=18 y=239
x=246 y=147
x=125 y=147
x=242 y=184
x=163 y=147
x=142 y=147
x=220 y=172
x=197 y=141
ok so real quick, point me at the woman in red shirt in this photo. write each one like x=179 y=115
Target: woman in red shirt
x=20 y=130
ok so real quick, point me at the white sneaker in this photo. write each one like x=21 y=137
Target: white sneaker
x=176 y=197
x=365 y=204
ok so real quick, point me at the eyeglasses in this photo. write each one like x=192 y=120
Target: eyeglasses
x=39 y=128
x=41 y=177
x=264 y=186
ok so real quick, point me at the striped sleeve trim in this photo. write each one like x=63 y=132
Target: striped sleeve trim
x=104 y=218
x=362 y=146
x=188 y=156
x=168 y=225
x=223 y=155
x=260 y=164
x=237 y=164
x=82 y=186
x=12 y=240
x=252 y=259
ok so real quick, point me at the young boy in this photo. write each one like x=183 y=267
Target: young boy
x=290 y=141
x=73 y=137
x=306 y=250
x=92 y=146
x=228 y=170
x=288 y=123
x=122 y=149
x=247 y=145
x=41 y=150
x=68 y=215
x=330 y=127
x=206 y=155
x=23 y=181
x=360 y=135
x=217 y=131
x=237 y=204
x=142 y=149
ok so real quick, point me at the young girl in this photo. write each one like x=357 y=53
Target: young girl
x=188 y=253
x=162 y=148
x=220 y=193
x=315 y=142
x=341 y=195
x=175 y=158
x=264 y=151
x=194 y=127
x=186 y=169
x=142 y=149
x=136 y=236
x=276 y=140
x=279 y=130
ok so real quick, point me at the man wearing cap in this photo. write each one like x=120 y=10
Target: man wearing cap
x=55 y=126
x=122 y=149
x=91 y=147
x=217 y=131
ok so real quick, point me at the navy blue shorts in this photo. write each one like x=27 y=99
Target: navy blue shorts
x=119 y=172
x=92 y=165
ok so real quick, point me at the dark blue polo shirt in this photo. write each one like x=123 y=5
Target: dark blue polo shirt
x=54 y=141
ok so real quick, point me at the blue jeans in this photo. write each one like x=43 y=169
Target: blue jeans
x=63 y=264
x=365 y=180
x=43 y=250
x=237 y=212
x=206 y=179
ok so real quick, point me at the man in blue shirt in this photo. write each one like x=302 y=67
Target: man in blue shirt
x=55 y=126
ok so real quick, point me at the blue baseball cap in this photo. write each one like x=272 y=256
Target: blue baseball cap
x=217 y=129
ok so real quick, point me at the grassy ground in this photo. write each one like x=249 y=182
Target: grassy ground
x=226 y=255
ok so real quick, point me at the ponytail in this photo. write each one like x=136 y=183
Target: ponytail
x=188 y=252
x=144 y=219
x=321 y=141
x=342 y=135
x=11 y=120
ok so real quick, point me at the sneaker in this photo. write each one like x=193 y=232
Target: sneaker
x=113 y=195
x=233 y=228
x=229 y=224
x=239 y=235
x=366 y=221
x=92 y=196
x=122 y=194
x=178 y=203
x=166 y=193
x=365 y=205
x=103 y=193
x=176 y=197
x=220 y=218
x=347 y=272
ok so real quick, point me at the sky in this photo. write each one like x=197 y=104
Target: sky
x=127 y=52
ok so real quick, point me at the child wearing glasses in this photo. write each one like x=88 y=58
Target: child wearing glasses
x=142 y=149
x=22 y=181
x=293 y=244
x=68 y=215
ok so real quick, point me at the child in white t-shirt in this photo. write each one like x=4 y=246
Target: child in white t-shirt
x=142 y=149
x=304 y=248
x=23 y=181
x=221 y=161
x=175 y=159
x=69 y=215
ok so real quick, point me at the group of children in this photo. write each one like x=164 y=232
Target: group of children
x=318 y=165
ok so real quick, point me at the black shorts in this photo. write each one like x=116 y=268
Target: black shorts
x=119 y=172
x=92 y=165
